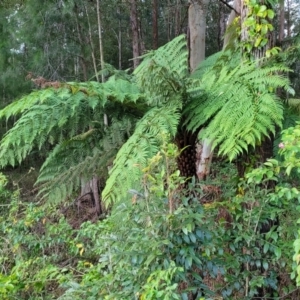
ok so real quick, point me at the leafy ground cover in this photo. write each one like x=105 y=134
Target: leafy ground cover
x=219 y=242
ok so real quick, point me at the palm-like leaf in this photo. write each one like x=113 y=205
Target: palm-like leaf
x=72 y=117
x=158 y=125
x=239 y=106
x=236 y=102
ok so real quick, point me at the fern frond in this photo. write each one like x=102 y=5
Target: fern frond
x=63 y=113
x=76 y=158
x=216 y=62
x=26 y=102
x=294 y=104
x=158 y=124
x=239 y=106
x=34 y=125
x=162 y=72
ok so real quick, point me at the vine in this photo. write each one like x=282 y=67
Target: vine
x=258 y=26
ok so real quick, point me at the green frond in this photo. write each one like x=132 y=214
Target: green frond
x=34 y=125
x=76 y=158
x=156 y=126
x=173 y=55
x=63 y=113
x=216 y=62
x=294 y=104
x=26 y=102
x=162 y=72
x=239 y=106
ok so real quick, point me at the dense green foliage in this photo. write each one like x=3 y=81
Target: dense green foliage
x=156 y=235
x=143 y=250
x=71 y=115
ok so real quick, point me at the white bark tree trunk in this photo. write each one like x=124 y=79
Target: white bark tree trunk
x=135 y=33
x=204 y=154
x=100 y=39
x=197 y=25
x=92 y=186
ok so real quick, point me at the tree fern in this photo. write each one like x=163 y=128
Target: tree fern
x=235 y=101
x=71 y=117
x=162 y=77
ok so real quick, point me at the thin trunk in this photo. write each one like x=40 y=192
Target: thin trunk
x=197 y=28
x=92 y=44
x=135 y=33
x=76 y=67
x=142 y=47
x=288 y=19
x=120 y=39
x=96 y=194
x=177 y=18
x=100 y=39
x=92 y=186
x=281 y=22
x=81 y=42
x=101 y=50
x=222 y=25
x=169 y=22
x=95 y=180
x=154 y=24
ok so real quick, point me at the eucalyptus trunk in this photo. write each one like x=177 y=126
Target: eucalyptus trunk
x=281 y=22
x=197 y=26
x=155 y=24
x=135 y=33
x=196 y=157
x=100 y=39
x=92 y=187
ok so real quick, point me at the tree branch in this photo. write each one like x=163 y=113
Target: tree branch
x=231 y=7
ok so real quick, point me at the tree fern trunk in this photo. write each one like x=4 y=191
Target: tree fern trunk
x=92 y=187
x=186 y=142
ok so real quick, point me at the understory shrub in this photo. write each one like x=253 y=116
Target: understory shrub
x=175 y=239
